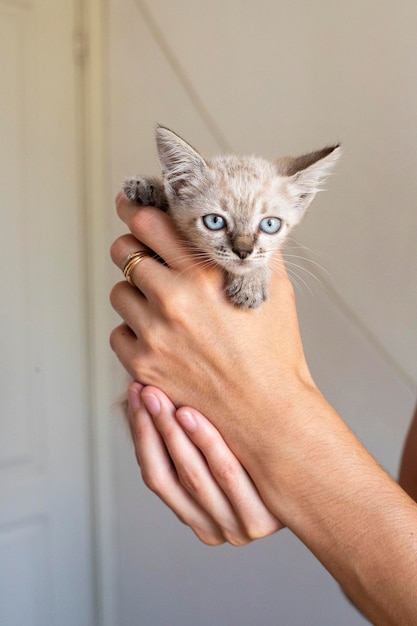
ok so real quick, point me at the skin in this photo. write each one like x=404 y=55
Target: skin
x=193 y=471
x=246 y=372
x=408 y=469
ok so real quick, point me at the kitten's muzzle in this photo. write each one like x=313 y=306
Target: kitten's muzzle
x=242 y=254
x=242 y=246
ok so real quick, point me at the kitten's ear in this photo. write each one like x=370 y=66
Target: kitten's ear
x=307 y=173
x=181 y=164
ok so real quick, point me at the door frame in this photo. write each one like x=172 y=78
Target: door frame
x=92 y=44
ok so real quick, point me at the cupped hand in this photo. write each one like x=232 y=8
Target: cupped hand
x=244 y=370
x=185 y=461
x=182 y=335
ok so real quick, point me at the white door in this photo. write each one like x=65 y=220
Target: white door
x=45 y=521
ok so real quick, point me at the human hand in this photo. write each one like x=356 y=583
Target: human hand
x=246 y=372
x=185 y=461
x=240 y=368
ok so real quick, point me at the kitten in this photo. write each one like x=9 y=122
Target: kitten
x=235 y=211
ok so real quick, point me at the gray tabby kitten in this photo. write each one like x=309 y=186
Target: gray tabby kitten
x=235 y=211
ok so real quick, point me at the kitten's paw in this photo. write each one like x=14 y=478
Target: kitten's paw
x=245 y=294
x=248 y=300
x=139 y=190
x=146 y=192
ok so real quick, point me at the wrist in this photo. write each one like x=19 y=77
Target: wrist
x=333 y=495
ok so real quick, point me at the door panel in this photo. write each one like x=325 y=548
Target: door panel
x=45 y=533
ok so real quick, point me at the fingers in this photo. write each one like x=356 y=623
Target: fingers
x=127 y=302
x=123 y=342
x=198 y=468
x=146 y=274
x=229 y=474
x=123 y=247
x=156 y=231
x=159 y=474
x=191 y=468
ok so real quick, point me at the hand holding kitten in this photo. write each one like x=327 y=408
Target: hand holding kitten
x=245 y=370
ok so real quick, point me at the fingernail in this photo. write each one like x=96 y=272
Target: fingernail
x=187 y=420
x=152 y=404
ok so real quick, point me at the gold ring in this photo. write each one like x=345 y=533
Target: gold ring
x=131 y=261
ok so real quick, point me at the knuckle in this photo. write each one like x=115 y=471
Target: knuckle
x=138 y=428
x=209 y=444
x=249 y=532
x=190 y=481
x=153 y=480
x=121 y=248
x=174 y=306
x=114 y=338
x=116 y=292
x=255 y=531
x=152 y=345
x=259 y=529
x=119 y=196
x=114 y=250
x=227 y=472
x=168 y=310
x=168 y=430
x=119 y=200
x=209 y=538
x=147 y=220
x=237 y=540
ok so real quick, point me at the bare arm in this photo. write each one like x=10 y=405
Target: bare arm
x=408 y=468
x=246 y=371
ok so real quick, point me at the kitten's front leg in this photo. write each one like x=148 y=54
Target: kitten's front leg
x=146 y=192
x=248 y=290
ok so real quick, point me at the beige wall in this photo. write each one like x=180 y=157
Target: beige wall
x=274 y=78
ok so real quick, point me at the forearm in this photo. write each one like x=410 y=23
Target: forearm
x=408 y=468
x=245 y=370
x=345 y=508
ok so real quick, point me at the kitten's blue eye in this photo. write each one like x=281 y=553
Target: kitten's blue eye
x=270 y=225
x=214 y=222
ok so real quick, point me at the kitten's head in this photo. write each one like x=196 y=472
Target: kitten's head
x=238 y=210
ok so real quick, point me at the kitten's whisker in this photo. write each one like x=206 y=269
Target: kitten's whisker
x=291 y=269
x=307 y=260
x=307 y=271
x=201 y=261
x=283 y=270
x=298 y=245
x=299 y=282
x=181 y=254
